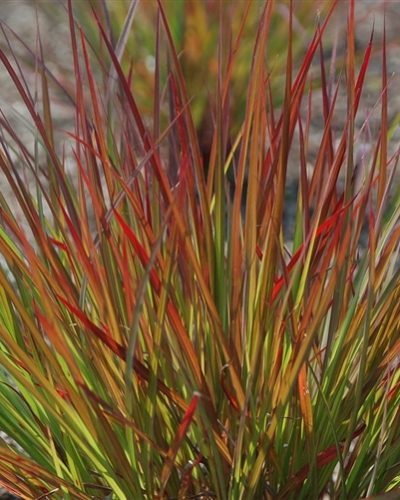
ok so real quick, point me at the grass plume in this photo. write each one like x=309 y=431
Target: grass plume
x=163 y=334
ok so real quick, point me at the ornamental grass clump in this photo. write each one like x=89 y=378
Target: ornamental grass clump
x=163 y=334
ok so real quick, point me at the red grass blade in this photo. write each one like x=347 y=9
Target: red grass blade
x=178 y=440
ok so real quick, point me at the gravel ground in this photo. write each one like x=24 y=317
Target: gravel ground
x=24 y=16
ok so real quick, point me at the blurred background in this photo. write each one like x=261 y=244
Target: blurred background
x=195 y=28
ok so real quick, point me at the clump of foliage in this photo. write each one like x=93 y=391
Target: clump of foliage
x=160 y=335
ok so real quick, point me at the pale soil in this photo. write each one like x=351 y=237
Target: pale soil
x=20 y=15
